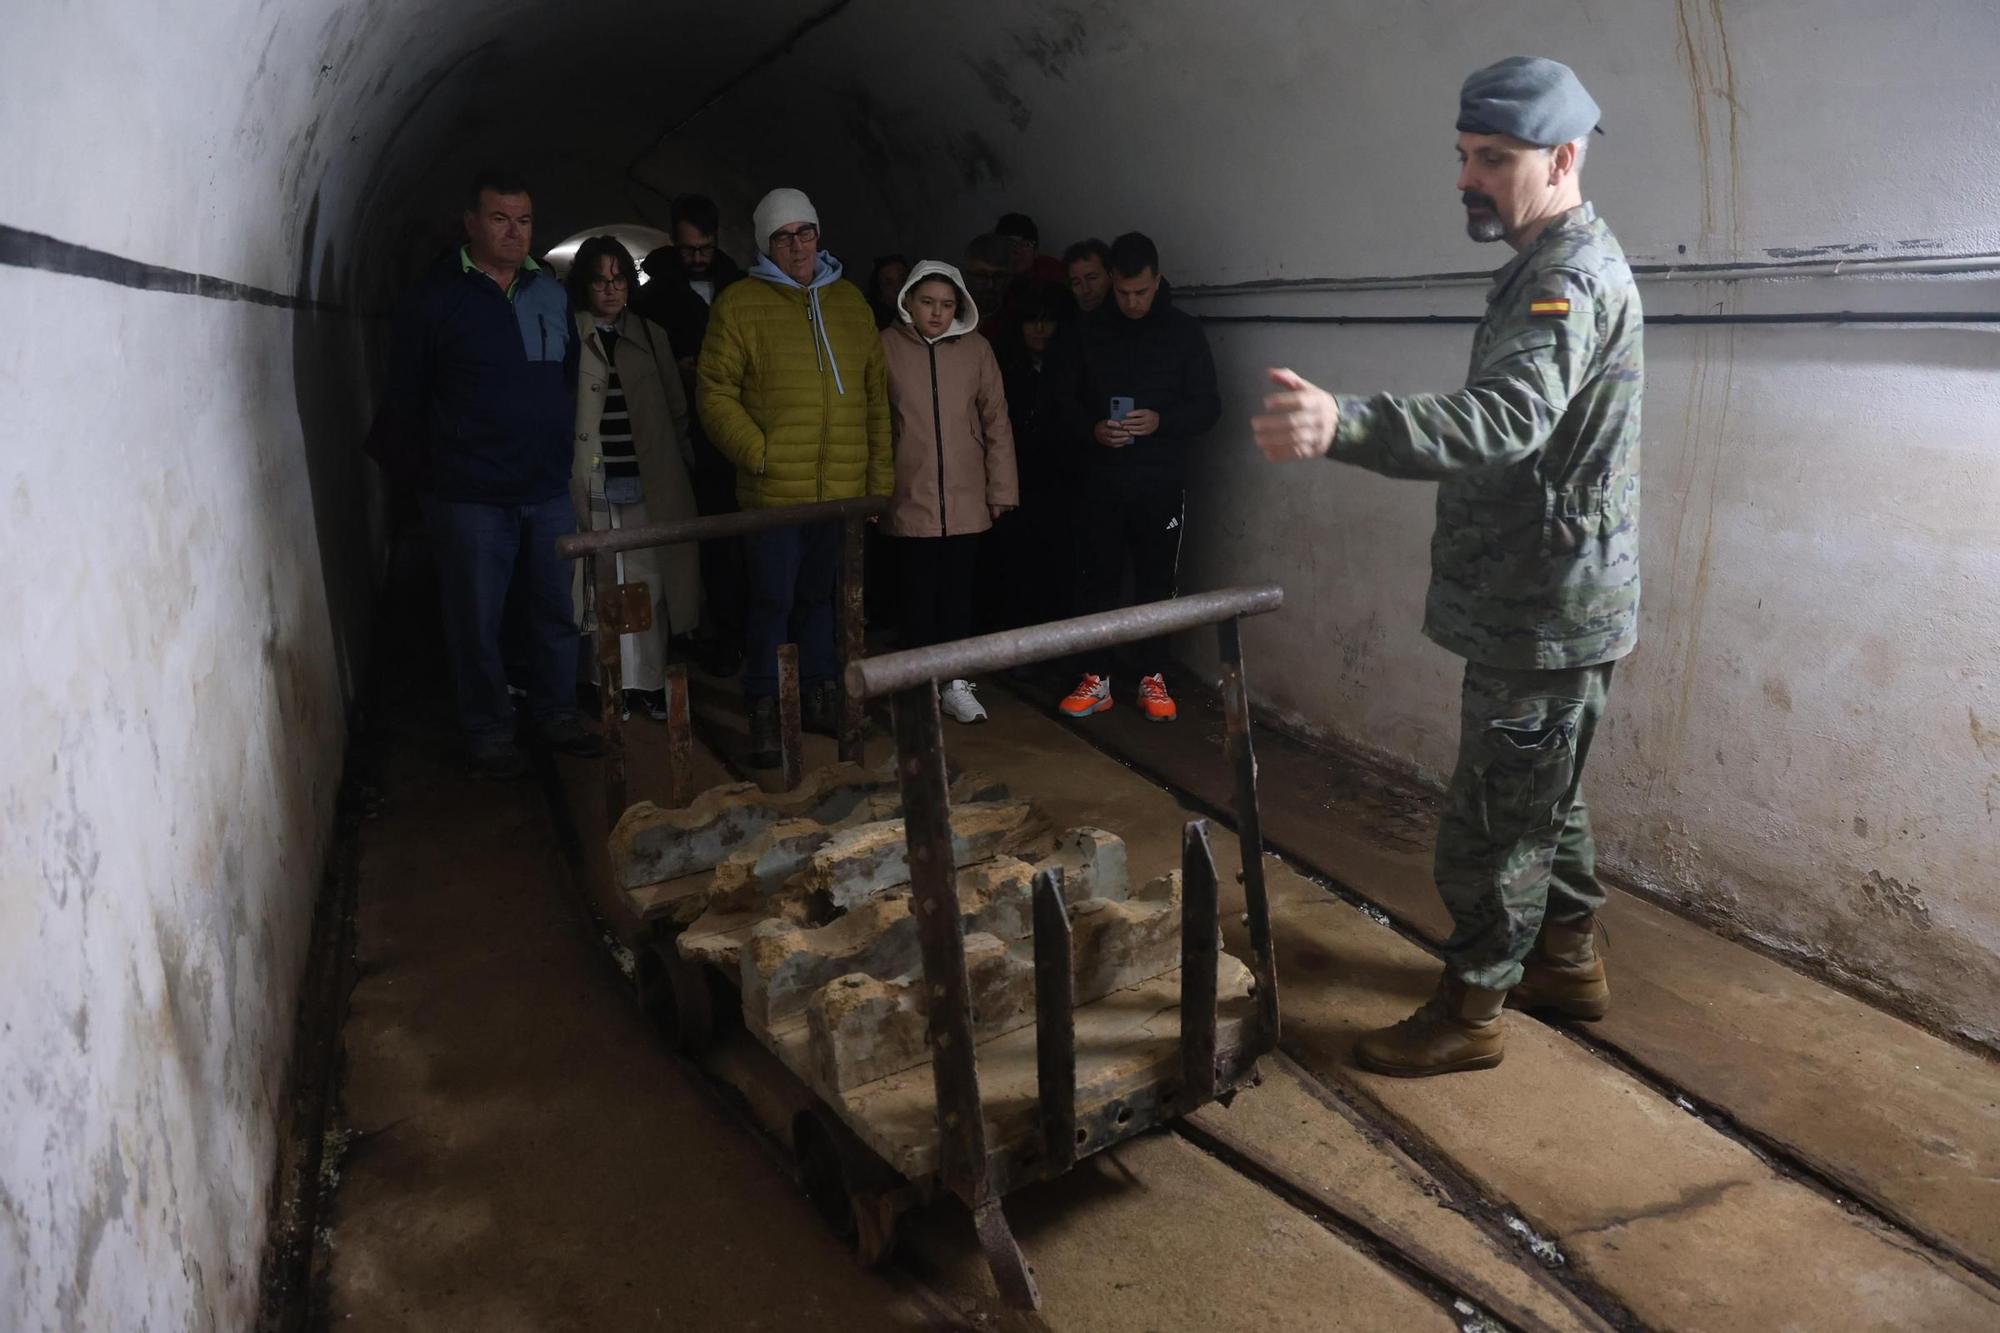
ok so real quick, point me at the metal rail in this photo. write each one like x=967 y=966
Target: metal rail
x=627 y=609
x=716 y=526
x=893 y=672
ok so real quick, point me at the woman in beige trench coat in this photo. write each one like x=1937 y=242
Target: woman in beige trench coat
x=632 y=457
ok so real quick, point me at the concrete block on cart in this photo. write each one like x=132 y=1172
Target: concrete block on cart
x=866 y=861
x=1114 y=945
x=1160 y=889
x=860 y=1028
x=782 y=965
x=1094 y=865
x=972 y=785
x=651 y=844
x=754 y=874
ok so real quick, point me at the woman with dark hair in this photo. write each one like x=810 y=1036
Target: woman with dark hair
x=632 y=458
x=885 y=288
x=1029 y=564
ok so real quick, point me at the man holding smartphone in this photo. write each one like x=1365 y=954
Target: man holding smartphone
x=1137 y=389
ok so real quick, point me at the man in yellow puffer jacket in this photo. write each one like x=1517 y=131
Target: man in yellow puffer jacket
x=790 y=387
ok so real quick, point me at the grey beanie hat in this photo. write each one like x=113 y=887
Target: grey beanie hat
x=1532 y=98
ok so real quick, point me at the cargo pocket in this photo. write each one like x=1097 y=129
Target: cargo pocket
x=1530 y=767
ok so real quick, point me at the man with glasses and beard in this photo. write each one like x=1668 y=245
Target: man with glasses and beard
x=1534 y=562
x=682 y=282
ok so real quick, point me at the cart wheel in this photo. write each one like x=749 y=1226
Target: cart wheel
x=675 y=995
x=858 y=1197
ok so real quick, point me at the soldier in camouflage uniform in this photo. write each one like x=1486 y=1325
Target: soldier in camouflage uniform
x=1534 y=562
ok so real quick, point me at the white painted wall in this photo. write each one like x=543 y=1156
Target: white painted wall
x=184 y=567
x=1807 y=746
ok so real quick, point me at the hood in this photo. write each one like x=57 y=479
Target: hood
x=825 y=273
x=968 y=309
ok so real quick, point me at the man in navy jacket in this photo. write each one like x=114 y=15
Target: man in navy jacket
x=1134 y=388
x=480 y=408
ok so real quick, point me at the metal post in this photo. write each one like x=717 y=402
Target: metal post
x=610 y=684
x=920 y=772
x=853 y=632
x=1201 y=949
x=1055 y=1024
x=680 y=739
x=961 y=1121
x=790 y=745
x=1249 y=832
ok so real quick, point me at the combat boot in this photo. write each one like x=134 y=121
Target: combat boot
x=1457 y=1028
x=1563 y=973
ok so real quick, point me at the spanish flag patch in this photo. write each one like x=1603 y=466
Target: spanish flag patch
x=1553 y=306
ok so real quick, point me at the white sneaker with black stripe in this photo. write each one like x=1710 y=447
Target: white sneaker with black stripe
x=958 y=704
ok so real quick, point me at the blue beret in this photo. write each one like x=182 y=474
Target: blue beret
x=1531 y=98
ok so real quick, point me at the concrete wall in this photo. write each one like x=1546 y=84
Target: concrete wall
x=185 y=563
x=1807 y=747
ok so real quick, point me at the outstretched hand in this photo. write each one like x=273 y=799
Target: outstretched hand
x=1298 y=421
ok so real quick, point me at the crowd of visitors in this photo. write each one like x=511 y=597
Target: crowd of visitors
x=1028 y=417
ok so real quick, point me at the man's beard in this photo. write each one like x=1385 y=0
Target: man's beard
x=1486 y=228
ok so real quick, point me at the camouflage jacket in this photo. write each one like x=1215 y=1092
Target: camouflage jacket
x=1535 y=560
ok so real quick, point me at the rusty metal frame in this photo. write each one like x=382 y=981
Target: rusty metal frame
x=978 y=1175
x=610 y=683
x=1249 y=829
x=614 y=615
x=791 y=753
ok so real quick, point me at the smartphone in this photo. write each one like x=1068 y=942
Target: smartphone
x=1121 y=408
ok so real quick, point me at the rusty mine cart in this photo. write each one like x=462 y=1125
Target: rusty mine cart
x=966 y=1004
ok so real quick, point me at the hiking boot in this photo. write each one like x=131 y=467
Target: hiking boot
x=1457 y=1028
x=568 y=735
x=1155 y=704
x=1563 y=973
x=958 y=704
x=1091 y=695
x=497 y=763
x=764 y=752
x=819 y=708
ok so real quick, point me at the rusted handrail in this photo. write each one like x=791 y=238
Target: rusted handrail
x=875 y=676
x=710 y=528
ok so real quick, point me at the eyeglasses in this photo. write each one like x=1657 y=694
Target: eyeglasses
x=696 y=251
x=805 y=235
x=605 y=284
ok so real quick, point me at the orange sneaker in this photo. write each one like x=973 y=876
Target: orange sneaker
x=1155 y=704
x=1091 y=695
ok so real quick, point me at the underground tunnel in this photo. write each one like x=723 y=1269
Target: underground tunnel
x=212 y=211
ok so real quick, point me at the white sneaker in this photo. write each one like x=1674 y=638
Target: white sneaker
x=957 y=701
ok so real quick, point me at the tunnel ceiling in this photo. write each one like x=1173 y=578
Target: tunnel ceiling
x=323 y=145
x=885 y=113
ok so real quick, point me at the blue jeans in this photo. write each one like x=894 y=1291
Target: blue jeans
x=482 y=551
x=793 y=575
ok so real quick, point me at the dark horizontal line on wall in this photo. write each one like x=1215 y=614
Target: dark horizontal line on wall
x=1846 y=261
x=20 y=248
x=1787 y=317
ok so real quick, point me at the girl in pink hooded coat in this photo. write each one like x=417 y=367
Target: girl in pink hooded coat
x=954 y=459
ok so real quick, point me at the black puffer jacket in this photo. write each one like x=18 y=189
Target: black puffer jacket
x=1161 y=362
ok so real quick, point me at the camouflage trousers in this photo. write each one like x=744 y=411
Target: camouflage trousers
x=1515 y=840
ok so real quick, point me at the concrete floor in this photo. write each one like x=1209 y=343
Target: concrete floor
x=526 y=1156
